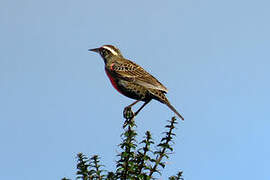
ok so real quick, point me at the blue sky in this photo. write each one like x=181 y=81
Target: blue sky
x=56 y=100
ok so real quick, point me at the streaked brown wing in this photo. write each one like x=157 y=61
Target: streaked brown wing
x=132 y=72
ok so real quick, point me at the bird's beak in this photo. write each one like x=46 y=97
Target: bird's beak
x=95 y=50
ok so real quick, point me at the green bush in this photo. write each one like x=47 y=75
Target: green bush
x=136 y=160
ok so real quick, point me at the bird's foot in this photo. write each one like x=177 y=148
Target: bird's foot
x=128 y=113
x=129 y=116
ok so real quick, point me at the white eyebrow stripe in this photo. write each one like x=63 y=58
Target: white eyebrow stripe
x=110 y=49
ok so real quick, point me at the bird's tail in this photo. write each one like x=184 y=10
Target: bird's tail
x=174 y=110
x=160 y=96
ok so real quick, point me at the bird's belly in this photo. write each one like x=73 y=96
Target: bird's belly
x=133 y=90
x=129 y=89
x=136 y=91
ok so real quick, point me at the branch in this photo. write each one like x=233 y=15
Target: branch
x=161 y=153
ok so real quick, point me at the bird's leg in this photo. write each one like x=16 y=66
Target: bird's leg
x=128 y=114
x=146 y=102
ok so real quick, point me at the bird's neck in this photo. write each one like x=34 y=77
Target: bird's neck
x=110 y=60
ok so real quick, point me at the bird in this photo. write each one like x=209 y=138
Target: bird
x=131 y=80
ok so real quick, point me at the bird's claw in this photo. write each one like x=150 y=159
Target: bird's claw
x=128 y=113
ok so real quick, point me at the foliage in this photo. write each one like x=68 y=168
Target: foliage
x=136 y=160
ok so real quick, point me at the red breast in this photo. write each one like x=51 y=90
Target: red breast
x=113 y=81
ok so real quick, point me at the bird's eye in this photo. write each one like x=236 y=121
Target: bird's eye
x=102 y=53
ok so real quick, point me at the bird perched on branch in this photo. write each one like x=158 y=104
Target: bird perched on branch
x=131 y=79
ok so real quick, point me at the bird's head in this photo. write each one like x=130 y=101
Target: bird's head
x=107 y=52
